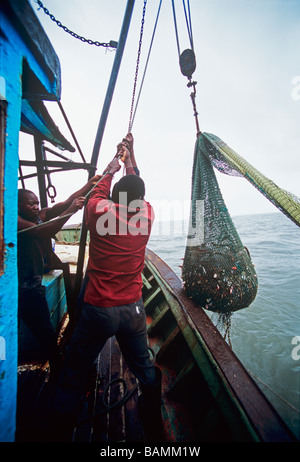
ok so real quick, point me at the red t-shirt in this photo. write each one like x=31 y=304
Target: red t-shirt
x=118 y=238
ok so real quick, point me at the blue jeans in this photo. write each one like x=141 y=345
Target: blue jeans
x=95 y=326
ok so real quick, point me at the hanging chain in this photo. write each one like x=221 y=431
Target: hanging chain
x=111 y=44
x=137 y=66
x=147 y=61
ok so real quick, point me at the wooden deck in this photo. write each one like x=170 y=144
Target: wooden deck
x=207 y=394
x=95 y=423
x=122 y=422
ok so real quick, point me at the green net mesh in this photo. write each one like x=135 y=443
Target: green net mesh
x=217 y=269
x=226 y=160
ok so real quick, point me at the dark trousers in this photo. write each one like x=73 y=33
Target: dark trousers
x=95 y=326
x=34 y=312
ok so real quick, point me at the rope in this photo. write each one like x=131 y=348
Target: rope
x=276 y=394
x=127 y=394
x=63 y=216
x=227 y=334
x=107 y=406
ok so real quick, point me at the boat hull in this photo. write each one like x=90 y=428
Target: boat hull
x=203 y=377
x=207 y=394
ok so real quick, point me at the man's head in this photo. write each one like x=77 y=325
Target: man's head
x=28 y=204
x=132 y=185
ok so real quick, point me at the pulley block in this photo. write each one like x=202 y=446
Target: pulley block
x=187 y=62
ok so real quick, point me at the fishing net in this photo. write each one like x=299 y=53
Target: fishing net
x=226 y=160
x=217 y=269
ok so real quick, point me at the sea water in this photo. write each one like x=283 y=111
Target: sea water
x=266 y=335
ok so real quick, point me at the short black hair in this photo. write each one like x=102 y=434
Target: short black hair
x=132 y=185
x=22 y=193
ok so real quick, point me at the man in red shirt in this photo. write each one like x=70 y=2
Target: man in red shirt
x=119 y=231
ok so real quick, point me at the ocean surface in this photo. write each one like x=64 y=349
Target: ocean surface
x=266 y=335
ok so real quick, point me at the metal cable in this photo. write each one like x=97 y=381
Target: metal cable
x=188 y=23
x=137 y=65
x=176 y=31
x=147 y=61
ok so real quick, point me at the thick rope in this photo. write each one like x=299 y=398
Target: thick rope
x=126 y=395
x=107 y=406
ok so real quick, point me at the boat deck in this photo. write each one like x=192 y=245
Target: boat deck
x=108 y=384
x=122 y=422
x=94 y=423
x=207 y=394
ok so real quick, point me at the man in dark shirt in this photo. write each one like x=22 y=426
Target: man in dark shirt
x=33 y=307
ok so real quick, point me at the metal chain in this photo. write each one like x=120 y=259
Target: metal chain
x=147 y=61
x=111 y=44
x=137 y=65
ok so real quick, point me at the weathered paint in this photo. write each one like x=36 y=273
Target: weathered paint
x=11 y=67
x=16 y=46
x=57 y=303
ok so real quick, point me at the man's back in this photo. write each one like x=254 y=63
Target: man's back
x=118 y=238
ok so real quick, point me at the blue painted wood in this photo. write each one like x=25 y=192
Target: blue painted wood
x=36 y=121
x=57 y=303
x=22 y=40
x=56 y=296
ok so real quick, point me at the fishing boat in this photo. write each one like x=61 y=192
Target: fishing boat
x=208 y=396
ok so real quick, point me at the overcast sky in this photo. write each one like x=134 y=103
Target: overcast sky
x=248 y=91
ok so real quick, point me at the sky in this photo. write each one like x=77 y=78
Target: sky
x=248 y=92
